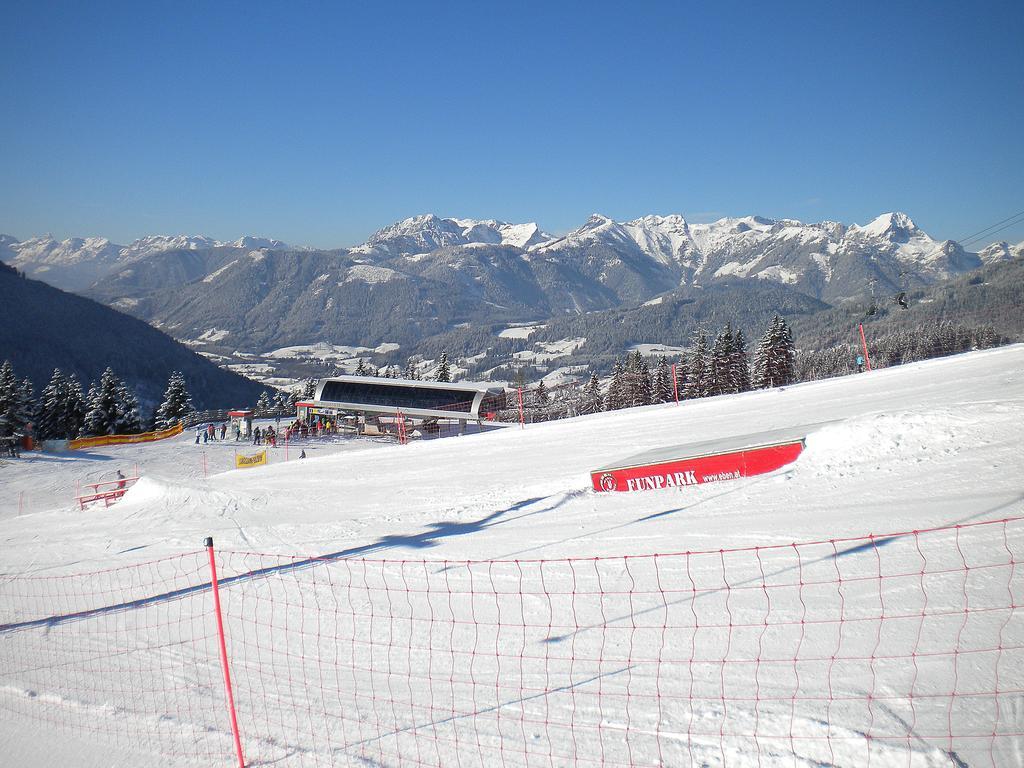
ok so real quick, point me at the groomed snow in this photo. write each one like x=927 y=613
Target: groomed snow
x=367 y=273
x=933 y=443
x=647 y=350
x=902 y=417
x=549 y=350
x=519 y=331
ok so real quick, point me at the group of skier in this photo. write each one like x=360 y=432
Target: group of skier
x=208 y=433
x=266 y=436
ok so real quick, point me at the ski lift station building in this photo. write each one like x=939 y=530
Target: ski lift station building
x=430 y=401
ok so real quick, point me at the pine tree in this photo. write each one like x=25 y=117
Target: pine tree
x=309 y=390
x=177 y=403
x=682 y=377
x=128 y=419
x=361 y=369
x=541 y=398
x=636 y=381
x=592 y=401
x=663 y=391
x=10 y=401
x=739 y=364
x=28 y=408
x=760 y=378
x=615 y=398
x=444 y=372
x=263 y=404
x=721 y=353
x=775 y=356
x=410 y=370
x=111 y=408
x=50 y=425
x=73 y=414
x=698 y=376
x=643 y=392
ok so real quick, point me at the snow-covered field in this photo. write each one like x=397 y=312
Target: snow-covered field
x=389 y=655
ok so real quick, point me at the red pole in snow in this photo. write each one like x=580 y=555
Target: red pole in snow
x=864 y=343
x=675 y=382
x=224 y=653
x=522 y=420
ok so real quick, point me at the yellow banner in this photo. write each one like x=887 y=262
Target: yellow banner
x=144 y=437
x=251 y=461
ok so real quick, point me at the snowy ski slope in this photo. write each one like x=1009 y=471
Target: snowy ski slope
x=563 y=680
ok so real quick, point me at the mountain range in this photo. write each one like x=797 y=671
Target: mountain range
x=77 y=262
x=428 y=275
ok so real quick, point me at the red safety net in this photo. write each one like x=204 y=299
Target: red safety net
x=903 y=649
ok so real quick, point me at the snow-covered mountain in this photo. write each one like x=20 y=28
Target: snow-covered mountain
x=76 y=263
x=636 y=259
x=629 y=261
x=1001 y=251
x=426 y=275
x=419 y=235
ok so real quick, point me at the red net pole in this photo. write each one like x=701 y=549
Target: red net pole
x=522 y=420
x=224 y=654
x=864 y=344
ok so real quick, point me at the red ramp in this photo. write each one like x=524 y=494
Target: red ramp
x=706 y=462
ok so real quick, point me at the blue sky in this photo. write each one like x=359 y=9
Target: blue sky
x=318 y=123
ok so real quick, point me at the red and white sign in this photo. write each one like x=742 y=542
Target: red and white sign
x=696 y=470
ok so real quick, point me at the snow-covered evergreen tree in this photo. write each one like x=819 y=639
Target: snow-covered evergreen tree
x=309 y=390
x=361 y=369
x=775 y=356
x=663 y=391
x=52 y=409
x=60 y=409
x=698 y=378
x=739 y=364
x=616 y=396
x=722 y=379
x=28 y=408
x=10 y=401
x=129 y=421
x=592 y=400
x=636 y=381
x=263 y=404
x=643 y=386
x=541 y=397
x=111 y=408
x=177 y=402
x=73 y=416
x=682 y=369
x=444 y=371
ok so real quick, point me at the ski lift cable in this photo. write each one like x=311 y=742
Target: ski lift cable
x=981 y=232
x=996 y=231
x=985 y=232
